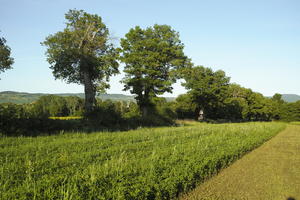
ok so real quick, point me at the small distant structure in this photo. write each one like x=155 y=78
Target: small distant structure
x=201 y=115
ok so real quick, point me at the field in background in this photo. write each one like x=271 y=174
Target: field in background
x=148 y=163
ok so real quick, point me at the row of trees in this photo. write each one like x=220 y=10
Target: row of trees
x=238 y=104
x=82 y=53
x=154 y=59
x=51 y=114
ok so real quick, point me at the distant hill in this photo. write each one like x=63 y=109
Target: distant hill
x=24 y=97
x=290 y=97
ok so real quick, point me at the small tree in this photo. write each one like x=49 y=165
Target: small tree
x=5 y=60
x=151 y=57
x=82 y=54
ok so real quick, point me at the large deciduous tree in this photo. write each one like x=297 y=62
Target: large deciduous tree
x=6 y=60
x=151 y=57
x=82 y=53
x=207 y=89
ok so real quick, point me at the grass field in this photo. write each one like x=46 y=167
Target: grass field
x=295 y=123
x=269 y=172
x=148 y=163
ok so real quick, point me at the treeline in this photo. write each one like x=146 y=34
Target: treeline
x=238 y=105
x=153 y=59
x=52 y=114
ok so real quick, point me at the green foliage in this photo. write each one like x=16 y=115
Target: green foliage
x=225 y=102
x=184 y=107
x=290 y=111
x=82 y=53
x=156 y=163
x=161 y=114
x=6 y=60
x=243 y=104
x=206 y=88
x=48 y=116
x=8 y=114
x=278 y=98
x=23 y=97
x=85 y=39
x=151 y=57
x=22 y=120
x=56 y=106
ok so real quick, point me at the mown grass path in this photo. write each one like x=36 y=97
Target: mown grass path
x=272 y=171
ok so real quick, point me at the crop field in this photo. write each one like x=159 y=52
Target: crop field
x=148 y=163
x=268 y=172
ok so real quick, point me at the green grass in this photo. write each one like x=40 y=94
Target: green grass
x=295 y=123
x=66 y=118
x=269 y=172
x=152 y=163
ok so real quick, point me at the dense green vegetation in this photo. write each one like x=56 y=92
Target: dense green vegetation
x=152 y=58
x=83 y=53
x=23 y=97
x=156 y=163
x=6 y=61
x=147 y=163
x=49 y=113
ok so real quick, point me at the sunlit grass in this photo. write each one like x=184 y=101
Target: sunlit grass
x=295 y=123
x=148 y=163
x=66 y=118
x=270 y=172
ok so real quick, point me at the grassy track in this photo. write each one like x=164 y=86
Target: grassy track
x=156 y=163
x=271 y=171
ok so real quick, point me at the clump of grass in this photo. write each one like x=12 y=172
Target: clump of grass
x=148 y=163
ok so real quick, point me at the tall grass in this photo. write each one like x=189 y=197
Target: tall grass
x=149 y=163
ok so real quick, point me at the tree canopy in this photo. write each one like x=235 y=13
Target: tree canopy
x=6 y=61
x=206 y=88
x=82 y=53
x=151 y=57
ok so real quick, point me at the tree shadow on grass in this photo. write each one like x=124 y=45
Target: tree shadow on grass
x=42 y=127
x=39 y=127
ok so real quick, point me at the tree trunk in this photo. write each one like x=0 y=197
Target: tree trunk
x=144 y=111
x=145 y=103
x=89 y=91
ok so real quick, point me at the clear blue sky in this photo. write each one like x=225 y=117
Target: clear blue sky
x=257 y=42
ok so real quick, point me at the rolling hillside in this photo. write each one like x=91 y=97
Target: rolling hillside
x=291 y=97
x=24 y=97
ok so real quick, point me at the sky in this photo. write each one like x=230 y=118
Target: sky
x=257 y=43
